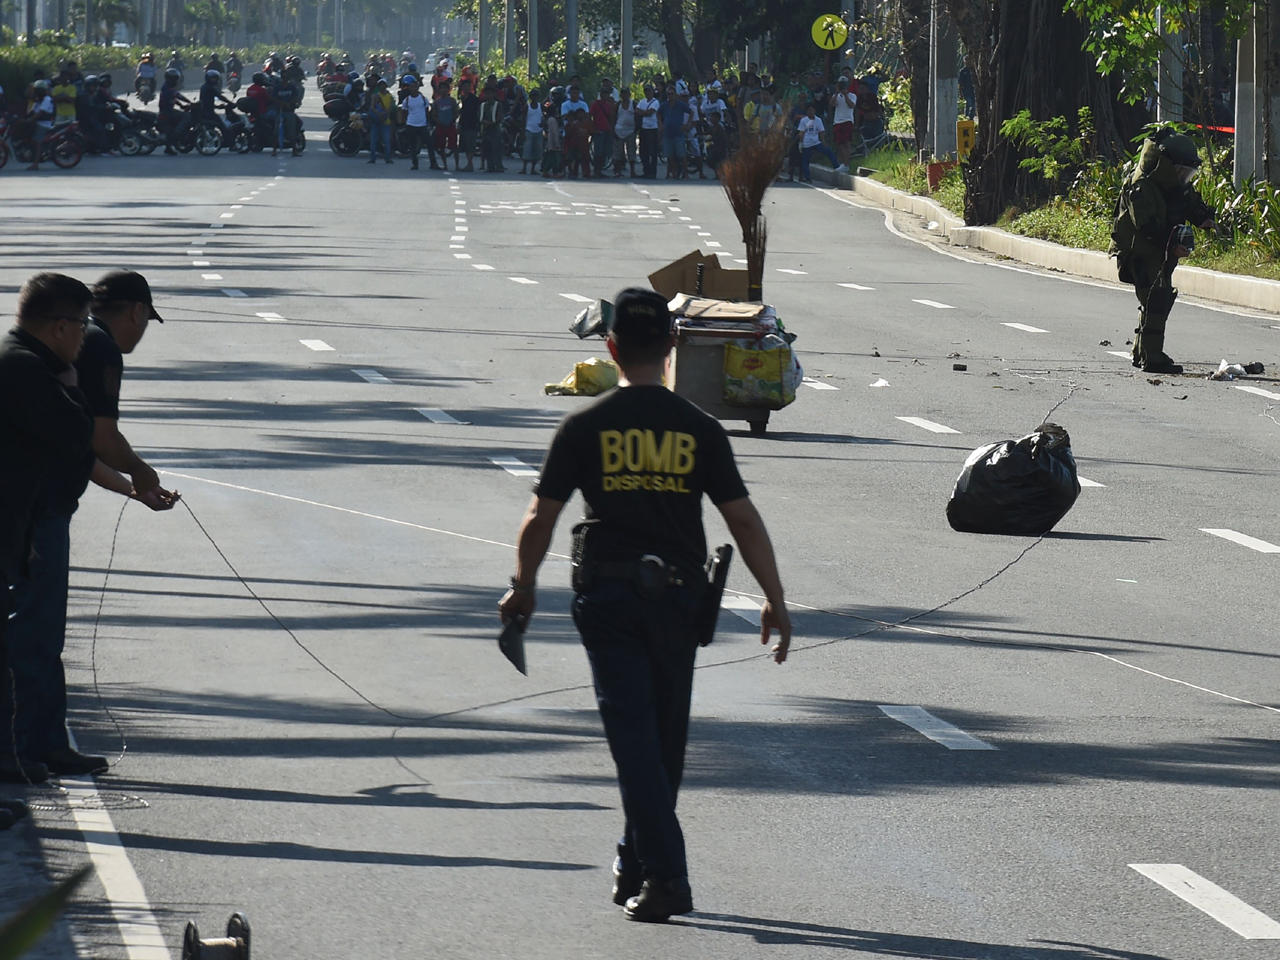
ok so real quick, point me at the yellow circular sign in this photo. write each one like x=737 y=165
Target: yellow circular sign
x=830 y=31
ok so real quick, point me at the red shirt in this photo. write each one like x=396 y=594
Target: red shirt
x=602 y=115
x=259 y=93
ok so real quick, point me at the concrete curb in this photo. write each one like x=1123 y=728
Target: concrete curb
x=1250 y=292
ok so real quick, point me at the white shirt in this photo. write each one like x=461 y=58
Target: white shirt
x=811 y=128
x=651 y=121
x=572 y=106
x=533 y=119
x=43 y=108
x=416 y=108
x=626 y=123
x=844 y=111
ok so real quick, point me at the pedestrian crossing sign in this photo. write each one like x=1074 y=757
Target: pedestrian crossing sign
x=830 y=31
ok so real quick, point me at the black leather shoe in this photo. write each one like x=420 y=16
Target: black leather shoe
x=626 y=882
x=73 y=763
x=659 y=900
x=14 y=809
x=1161 y=364
x=28 y=771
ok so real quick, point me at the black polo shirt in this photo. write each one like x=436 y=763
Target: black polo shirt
x=100 y=366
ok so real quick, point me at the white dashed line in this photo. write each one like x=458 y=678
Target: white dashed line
x=462 y=256
x=216 y=226
x=318 y=345
x=516 y=468
x=686 y=219
x=797 y=273
x=210 y=276
x=854 y=286
x=1024 y=327
x=232 y=292
x=226 y=216
x=1123 y=355
x=280 y=178
x=817 y=384
x=1089 y=483
x=576 y=297
x=201 y=263
x=244 y=200
x=1253 y=543
x=371 y=376
x=674 y=209
x=194 y=253
x=456 y=237
x=457 y=246
x=744 y=607
x=459 y=219
x=482 y=266
x=712 y=243
x=1258 y=390
x=704 y=233
x=937 y=730
x=269 y=316
x=524 y=280
x=927 y=425
x=237 y=206
x=462 y=229
x=1207 y=897
x=437 y=416
x=935 y=304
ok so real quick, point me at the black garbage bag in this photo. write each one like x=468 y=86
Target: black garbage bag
x=1020 y=488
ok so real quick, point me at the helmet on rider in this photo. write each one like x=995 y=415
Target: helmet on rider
x=212 y=75
x=174 y=54
x=91 y=80
x=259 y=78
x=41 y=86
x=353 y=76
x=407 y=79
x=173 y=73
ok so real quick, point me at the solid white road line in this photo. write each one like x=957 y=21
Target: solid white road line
x=269 y=316
x=1207 y=897
x=743 y=607
x=1121 y=354
x=371 y=376
x=1253 y=543
x=516 y=468
x=1258 y=390
x=437 y=416
x=817 y=384
x=1089 y=483
x=854 y=286
x=796 y=273
x=1024 y=327
x=576 y=297
x=939 y=731
x=927 y=425
x=524 y=280
x=935 y=304
x=318 y=345
x=232 y=292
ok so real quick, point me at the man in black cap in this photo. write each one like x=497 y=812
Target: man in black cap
x=37 y=632
x=643 y=458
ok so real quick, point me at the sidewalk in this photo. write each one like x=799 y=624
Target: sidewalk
x=1248 y=292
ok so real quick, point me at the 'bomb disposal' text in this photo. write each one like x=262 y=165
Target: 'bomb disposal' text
x=639 y=460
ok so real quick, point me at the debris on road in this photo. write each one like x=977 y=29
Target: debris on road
x=960 y=366
x=1104 y=343
x=589 y=378
x=1227 y=371
x=1154 y=381
x=881 y=382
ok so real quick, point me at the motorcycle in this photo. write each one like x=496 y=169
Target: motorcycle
x=233 y=82
x=236 y=131
x=146 y=89
x=63 y=145
x=137 y=131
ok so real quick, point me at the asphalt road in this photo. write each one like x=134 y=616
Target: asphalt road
x=297 y=678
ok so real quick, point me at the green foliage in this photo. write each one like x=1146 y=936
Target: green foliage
x=1053 y=149
x=950 y=192
x=21 y=931
x=895 y=96
x=1064 y=222
x=1123 y=38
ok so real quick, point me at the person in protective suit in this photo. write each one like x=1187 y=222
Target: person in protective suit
x=1149 y=236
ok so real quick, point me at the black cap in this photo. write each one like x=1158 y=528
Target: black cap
x=124 y=286
x=640 y=315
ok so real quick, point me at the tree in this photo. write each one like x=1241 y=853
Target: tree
x=914 y=24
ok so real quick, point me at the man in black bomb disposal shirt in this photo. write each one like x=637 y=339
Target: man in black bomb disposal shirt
x=643 y=458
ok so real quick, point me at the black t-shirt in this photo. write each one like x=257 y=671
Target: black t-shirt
x=470 y=113
x=100 y=367
x=643 y=457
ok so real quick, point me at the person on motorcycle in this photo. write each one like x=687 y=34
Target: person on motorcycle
x=233 y=63
x=175 y=63
x=210 y=94
x=274 y=64
x=286 y=97
x=294 y=75
x=90 y=116
x=325 y=65
x=40 y=115
x=344 y=63
x=171 y=119
x=214 y=63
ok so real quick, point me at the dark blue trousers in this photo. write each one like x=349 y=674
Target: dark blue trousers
x=642 y=654
x=36 y=633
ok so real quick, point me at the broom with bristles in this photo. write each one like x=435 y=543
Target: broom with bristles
x=745 y=176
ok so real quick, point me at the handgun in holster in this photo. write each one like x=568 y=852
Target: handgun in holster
x=717 y=574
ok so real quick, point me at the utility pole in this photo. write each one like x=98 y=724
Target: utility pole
x=509 y=33
x=533 y=38
x=1169 y=96
x=628 y=43
x=571 y=37
x=1246 y=152
x=944 y=81
x=483 y=40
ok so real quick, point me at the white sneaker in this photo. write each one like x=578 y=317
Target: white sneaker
x=843 y=168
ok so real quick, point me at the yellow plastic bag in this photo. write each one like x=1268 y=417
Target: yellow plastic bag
x=589 y=378
x=758 y=376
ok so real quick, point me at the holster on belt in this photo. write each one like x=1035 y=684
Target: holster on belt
x=709 y=608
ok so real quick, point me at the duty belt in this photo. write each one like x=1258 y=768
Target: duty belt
x=634 y=570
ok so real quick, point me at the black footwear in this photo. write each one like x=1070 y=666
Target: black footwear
x=1161 y=364
x=28 y=771
x=73 y=763
x=12 y=811
x=658 y=900
x=627 y=882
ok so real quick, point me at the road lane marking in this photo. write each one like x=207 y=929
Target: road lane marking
x=461 y=229
x=1024 y=327
x=462 y=256
x=674 y=209
x=226 y=216
x=237 y=206
x=210 y=276
x=201 y=263
x=456 y=238
x=232 y=292
x=796 y=273
x=195 y=253
x=370 y=376
x=935 y=304
x=704 y=233
x=695 y=226
x=854 y=286
x=937 y=730
x=459 y=219
x=1258 y=390
x=686 y=219
x=1253 y=543
x=457 y=246
x=317 y=345
x=927 y=425
x=269 y=316
x=517 y=468
x=817 y=384
x=576 y=297
x=1123 y=355
x=438 y=416
x=482 y=266
x=744 y=607
x=525 y=280
x=1089 y=483
x=712 y=243
x=1207 y=897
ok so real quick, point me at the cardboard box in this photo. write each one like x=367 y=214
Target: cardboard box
x=681 y=276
